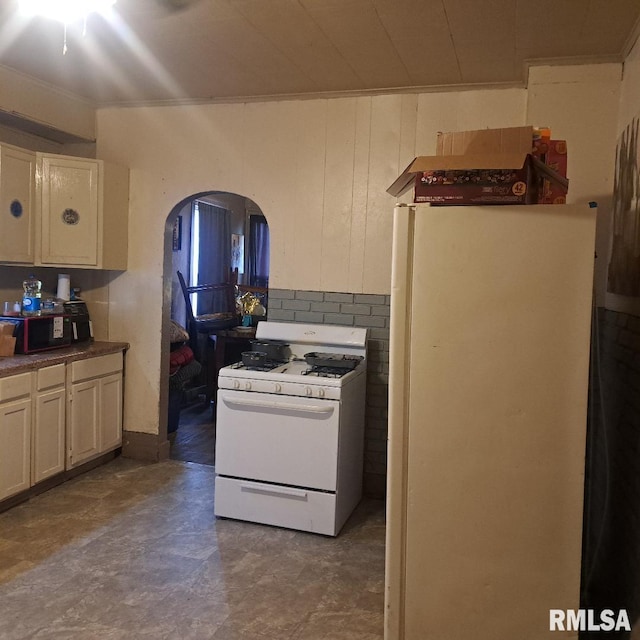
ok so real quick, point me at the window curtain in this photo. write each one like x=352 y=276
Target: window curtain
x=259 y=251
x=214 y=255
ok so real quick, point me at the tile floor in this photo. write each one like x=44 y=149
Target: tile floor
x=133 y=551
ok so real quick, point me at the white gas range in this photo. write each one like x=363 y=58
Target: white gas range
x=290 y=436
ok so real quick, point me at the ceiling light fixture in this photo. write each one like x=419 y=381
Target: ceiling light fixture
x=66 y=11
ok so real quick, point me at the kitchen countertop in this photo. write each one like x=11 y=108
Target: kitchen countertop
x=12 y=365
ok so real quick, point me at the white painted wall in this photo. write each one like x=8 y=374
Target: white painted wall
x=319 y=170
x=580 y=104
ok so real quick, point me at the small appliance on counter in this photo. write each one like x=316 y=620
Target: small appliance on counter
x=81 y=327
x=40 y=333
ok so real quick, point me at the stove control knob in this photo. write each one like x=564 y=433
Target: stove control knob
x=308 y=391
x=321 y=393
x=278 y=387
x=236 y=384
x=247 y=386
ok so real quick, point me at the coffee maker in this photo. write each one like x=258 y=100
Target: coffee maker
x=81 y=327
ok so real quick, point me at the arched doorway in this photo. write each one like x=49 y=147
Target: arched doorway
x=210 y=237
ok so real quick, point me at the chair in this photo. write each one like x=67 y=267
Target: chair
x=207 y=323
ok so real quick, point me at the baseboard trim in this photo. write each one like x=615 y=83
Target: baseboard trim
x=147 y=447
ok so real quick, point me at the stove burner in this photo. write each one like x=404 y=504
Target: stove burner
x=267 y=365
x=332 y=360
x=325 y=372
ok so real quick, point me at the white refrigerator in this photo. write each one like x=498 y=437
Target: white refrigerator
x=489 y=358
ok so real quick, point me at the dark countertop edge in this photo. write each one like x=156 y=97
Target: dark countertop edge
x=16 y=364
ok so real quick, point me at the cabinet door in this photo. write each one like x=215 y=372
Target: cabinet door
x=110 y=412
x=15 y=452
x=48 y=434
x=17 y=192
x=84 y=422
x=69 y=204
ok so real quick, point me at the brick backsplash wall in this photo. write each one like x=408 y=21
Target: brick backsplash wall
x=611 y=544
x=354 y=310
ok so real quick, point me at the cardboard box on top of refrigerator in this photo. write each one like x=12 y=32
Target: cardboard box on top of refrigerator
x=489 y=166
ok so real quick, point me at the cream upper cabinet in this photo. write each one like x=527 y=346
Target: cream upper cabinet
x=17 y=199
x=69 y=194
x=83 y=207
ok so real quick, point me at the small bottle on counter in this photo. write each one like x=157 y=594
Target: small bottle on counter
x=31 y=299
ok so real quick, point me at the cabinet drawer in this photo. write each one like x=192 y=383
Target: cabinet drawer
x=50 y=377
x=15 y=386
x=292 y=508
x=96 y=367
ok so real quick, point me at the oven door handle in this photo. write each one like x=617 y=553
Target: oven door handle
x=285 y=406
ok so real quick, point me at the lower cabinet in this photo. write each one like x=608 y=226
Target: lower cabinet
x=111 y=411
x=94 y=409
x=48 y=423
x=15 y=434
x=58 y=417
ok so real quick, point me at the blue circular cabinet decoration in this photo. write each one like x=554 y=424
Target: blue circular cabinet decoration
x=16 y=208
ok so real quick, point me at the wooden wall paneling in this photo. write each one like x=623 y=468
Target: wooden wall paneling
x=226 y=159
x=436 y=112
x=570 y=109
x=360 y=190
x=257 y=167
x=338 y=194
x=408 y=125
x=383 y=169
x=407 y=148
x=287 y=157
x=270 y=147
x=308 y=185
x=258 y=140
x=491 y=109
x=209 y=143
x=459 y=111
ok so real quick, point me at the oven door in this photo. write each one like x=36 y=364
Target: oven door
x=271 y=438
